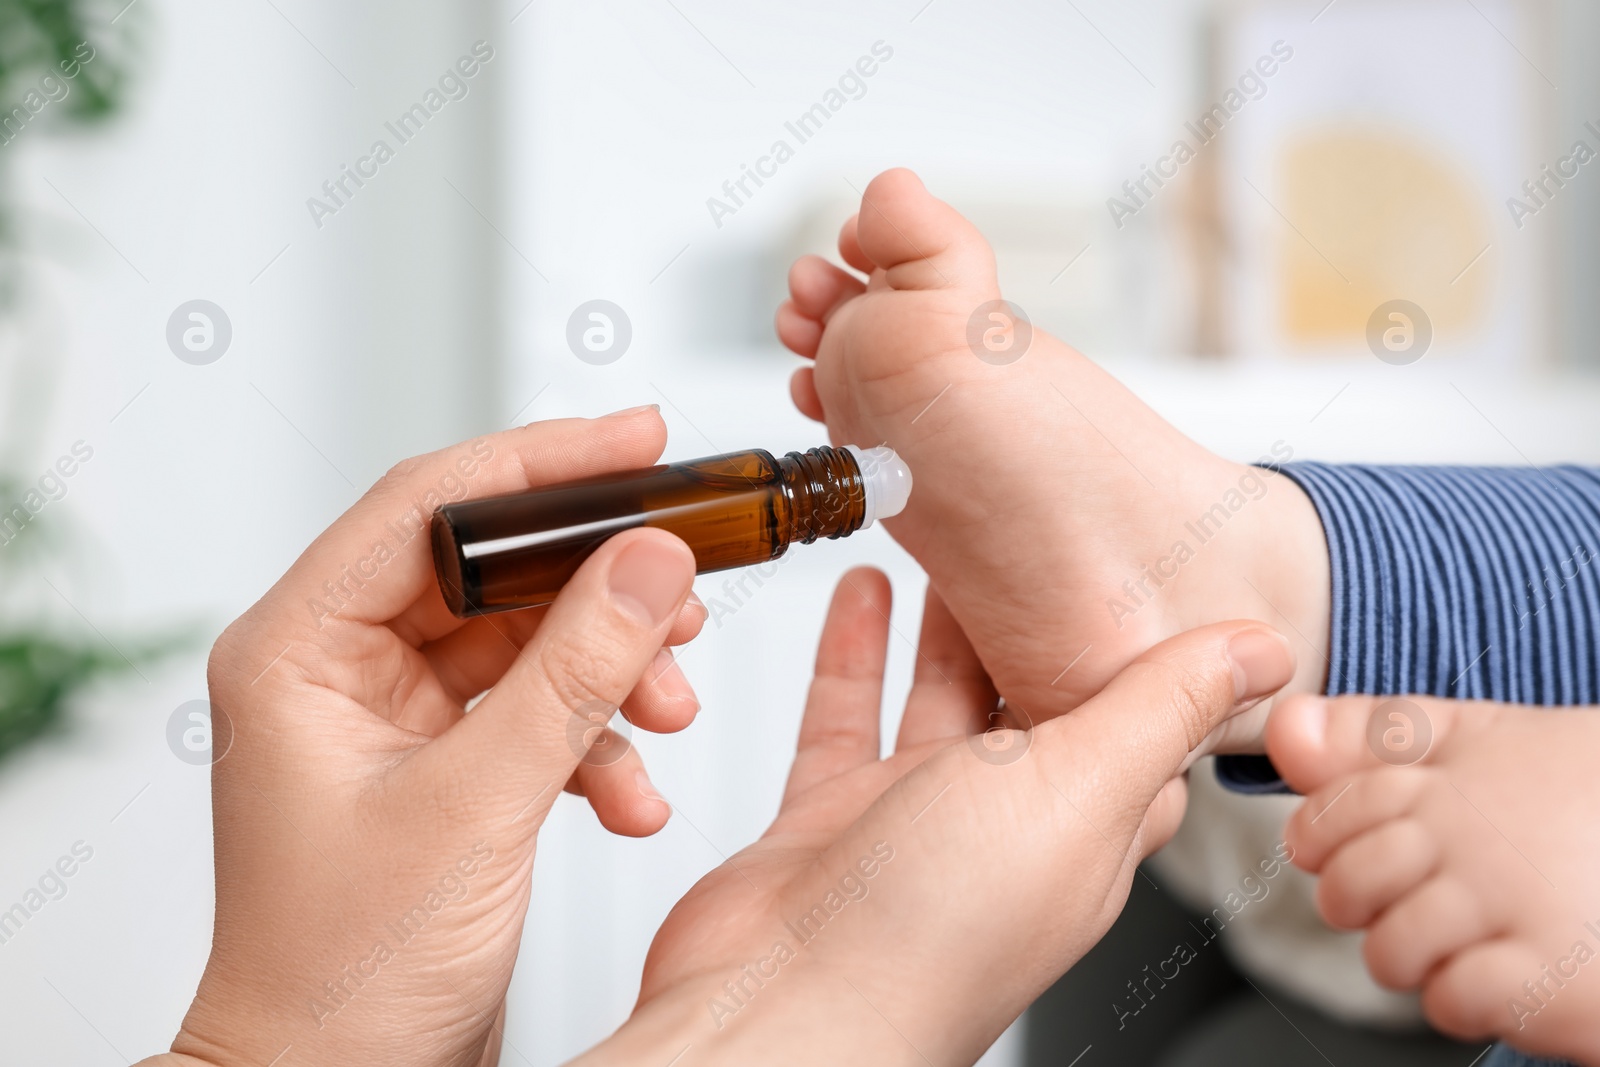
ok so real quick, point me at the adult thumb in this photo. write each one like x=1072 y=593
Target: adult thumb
x=523 y=740
x=1152 y=719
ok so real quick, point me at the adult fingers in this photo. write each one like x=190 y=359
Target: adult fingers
x=1163 y=817
x=663 y=702
x=596 y=640
x=839 y=730
x=1118 y=749
x=375 y=565
x=951 y=694
x=614 y=780
x=469 y=660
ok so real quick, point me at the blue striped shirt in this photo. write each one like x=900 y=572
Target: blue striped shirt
x=1478 y=583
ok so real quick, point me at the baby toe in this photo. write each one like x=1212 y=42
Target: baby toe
x=920 y=241
x=796 y=332
x=1333 y=815
x=850 y=247
x=1421 y=930
x=803 y=391
x=1315 y=740
x=817 y=287
x=1479 y=991
x=1372 y=871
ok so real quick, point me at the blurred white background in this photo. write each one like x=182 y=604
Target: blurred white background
x=433 y=306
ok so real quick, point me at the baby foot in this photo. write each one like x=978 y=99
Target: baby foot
x=1067 y=526
x=1462 y=838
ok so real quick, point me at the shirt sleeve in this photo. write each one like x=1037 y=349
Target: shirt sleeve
x=1476 y=583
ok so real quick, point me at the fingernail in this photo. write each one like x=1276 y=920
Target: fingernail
x=641 y=782
x=647 y=581
x=699 y=605
x=668 y=678
x=1262 y=663
x=625 y=412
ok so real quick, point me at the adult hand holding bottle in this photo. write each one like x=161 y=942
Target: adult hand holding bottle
x=374 y=840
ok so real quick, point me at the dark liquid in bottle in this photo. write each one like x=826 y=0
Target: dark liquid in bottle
x=734 y=510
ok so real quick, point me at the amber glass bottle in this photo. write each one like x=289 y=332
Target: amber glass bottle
x=735 y=510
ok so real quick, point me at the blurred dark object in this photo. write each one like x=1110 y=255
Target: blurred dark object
x=1208 y=1016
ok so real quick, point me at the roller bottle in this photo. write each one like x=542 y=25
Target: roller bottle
x=734 y=510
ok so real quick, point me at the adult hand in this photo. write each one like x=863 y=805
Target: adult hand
x=905 y=910
x=374 y=840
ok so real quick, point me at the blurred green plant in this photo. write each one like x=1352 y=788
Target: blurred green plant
x=40 y=40
x=40 y=675
x=44 y=666
x=36 y=36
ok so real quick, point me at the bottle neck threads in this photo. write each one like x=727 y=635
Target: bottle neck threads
x=826 y=494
